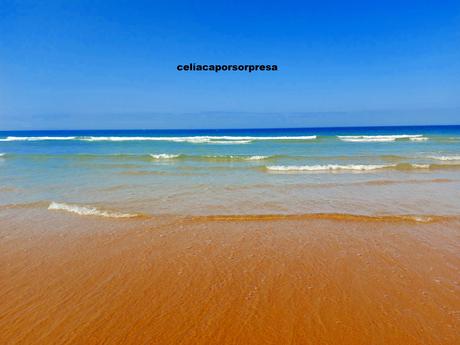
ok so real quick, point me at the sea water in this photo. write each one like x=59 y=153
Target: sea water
x=122 y=173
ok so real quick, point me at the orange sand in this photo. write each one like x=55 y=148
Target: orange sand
x=75 y=280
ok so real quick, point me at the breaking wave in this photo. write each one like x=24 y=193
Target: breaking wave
x=164 y=156
x=328 y=167
x=201 y=139
x=230 y=158
x=189 y=139
x=223 y=139
x=211 y=158
x=360 y=167
x=36 y=138
x=149 y=157
x=88 y=211
x=256 y=158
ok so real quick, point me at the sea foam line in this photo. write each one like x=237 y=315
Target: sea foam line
x=88 y=211
x=381 y=138
x=233 y=157
x=328 y=167
x=190 y=139
x=164 y=156
x=170 y=156
x=360 y=167
x=256 y=158
x=199 y=139
x=36 y=138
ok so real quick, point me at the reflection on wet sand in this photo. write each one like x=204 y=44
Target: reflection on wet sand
x=67 y=279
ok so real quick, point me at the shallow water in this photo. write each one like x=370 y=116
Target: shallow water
x=369 y=171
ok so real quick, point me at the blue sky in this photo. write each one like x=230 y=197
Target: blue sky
x=112 y=64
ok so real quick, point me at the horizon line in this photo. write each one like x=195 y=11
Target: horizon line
x=221 y=129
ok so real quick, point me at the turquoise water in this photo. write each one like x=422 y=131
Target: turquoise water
x=372 y=171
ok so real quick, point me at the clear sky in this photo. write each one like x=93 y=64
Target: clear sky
x=112 y=64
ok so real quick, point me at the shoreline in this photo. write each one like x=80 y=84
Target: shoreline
x=207 y=280
x=46 y=208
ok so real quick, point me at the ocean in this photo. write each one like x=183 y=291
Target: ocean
x=372 y=171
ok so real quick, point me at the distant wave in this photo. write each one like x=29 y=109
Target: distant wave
x=147 y=157
x=381 y=138
x=224 y=139
x=88 y=211
x=188 y=139
x=201 y=139
x=446 y=158
x=36 y=138
x=368 y=140
x=194 y=140
x=222 y=158
x=199 y=157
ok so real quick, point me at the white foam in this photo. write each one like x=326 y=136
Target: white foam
x=256 y=158
x=419 y=139
x=445 y=158
x=349 y=167
x=164 y=156
x=300 y=137
x=328 y=167
x=173 y=139
x=2 y=154
x=36 y=138
x=380 y=138
x=370 y=140
x=201 y=139
x=422 y=219
x=88 y=211
x=228 y=142
x=234 y=157
x=192 y=139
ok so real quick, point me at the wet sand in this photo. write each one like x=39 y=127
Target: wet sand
x=68 y=279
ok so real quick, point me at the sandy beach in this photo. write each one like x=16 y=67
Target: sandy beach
x=229 y=173
x=69 y=279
